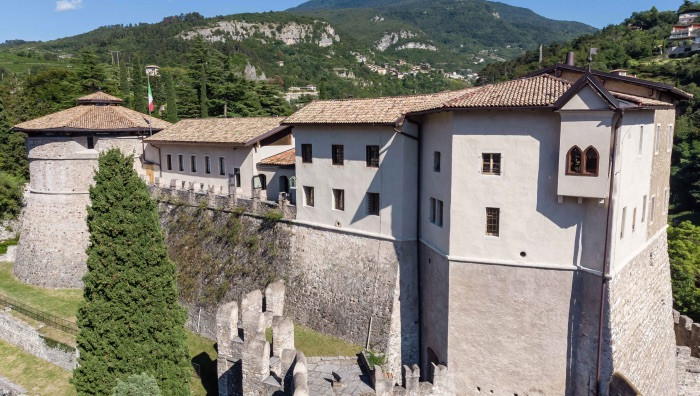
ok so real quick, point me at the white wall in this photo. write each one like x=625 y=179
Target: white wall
x=563 y=235
x=394 y=180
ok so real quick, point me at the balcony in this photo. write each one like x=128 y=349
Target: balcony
x=681 y=35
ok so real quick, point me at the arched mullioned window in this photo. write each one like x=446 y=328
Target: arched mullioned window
x=584 y=163
x=574 y=161
x=590 y=160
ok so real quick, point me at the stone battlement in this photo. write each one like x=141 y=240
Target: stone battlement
x=687 y=333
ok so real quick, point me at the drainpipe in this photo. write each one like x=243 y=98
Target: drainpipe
x=604 y=277
x=418 y=219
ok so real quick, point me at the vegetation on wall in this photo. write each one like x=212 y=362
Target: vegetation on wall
x=684 y=251
x=130 y=321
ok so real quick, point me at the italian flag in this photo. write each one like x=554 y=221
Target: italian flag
x=150 y=98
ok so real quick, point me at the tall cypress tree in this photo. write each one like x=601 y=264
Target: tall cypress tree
x=199 y=59
x=90 y=71
x=138 y=85
x=130 y=321
x=170 y=96
x=124 y=86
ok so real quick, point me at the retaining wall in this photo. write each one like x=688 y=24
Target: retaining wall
x=23 y=335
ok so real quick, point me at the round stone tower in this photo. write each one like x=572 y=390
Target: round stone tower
x=63 y=149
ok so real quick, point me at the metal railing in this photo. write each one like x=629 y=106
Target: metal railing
x=44 y=317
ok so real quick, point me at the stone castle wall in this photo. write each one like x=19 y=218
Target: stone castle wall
x=687 y=333
x=641 y=321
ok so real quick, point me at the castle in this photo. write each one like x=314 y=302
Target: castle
x=519 y=228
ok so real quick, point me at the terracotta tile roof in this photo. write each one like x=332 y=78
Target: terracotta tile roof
x=639 y=100
x=285 y=158
x=100 y=97
x=93 y=118
x=541 y=90
x=387 y=110
x=218 y=130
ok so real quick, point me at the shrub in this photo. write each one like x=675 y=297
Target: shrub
x=137 y=385
x=10 y=195
x=684 y=253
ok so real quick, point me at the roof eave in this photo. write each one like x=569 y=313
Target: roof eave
x=267 y=134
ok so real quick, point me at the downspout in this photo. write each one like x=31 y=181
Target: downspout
x=605 y=277
x=418 y=219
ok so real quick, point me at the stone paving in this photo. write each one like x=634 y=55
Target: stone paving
x=325 y=371
x=688 y=369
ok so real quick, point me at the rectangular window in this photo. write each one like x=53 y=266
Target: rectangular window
x=436 y=161
x=491 y=163
x=641 y=140
x=337 y=154
x=666 y=199
x=306 y=153
x=169 y=161
x=493 y=219
x=338 y=199
x=373 y=156
x=308 y=196
x=180 y=163
x=669 y=141
x=436 y=211
x=237 y=176
x=222 y=166
x=651 y=209
x=193 y=163
x=90 y=142
x=657 y=137
x=207 y=165
x=634 y=219
x=644 y=208
x=622 y=222
x=373 y=204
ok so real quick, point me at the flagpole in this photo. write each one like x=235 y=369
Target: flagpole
x=150 y=128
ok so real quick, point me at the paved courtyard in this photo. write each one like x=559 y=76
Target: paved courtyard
x=325 y=371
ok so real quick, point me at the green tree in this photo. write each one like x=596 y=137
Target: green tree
x=130 y=321
x=137 y=385
x=138 y=85
x=170 y=96
x=13 y=158
x=199 y=67
x=684 y=253
x=124 y=86
x=90 y=71
x=10 y=195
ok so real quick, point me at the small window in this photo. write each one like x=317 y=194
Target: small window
x=338 y=199
x=193 y=163
x=169 y=162
x=641 y=140
x=337 y=154
x=373 y=156
x=90 y=142
x=222 y=166
x=260 y=181
x=373 y=204
x=591 y=161
x=207 y=165
x=622 y=222
x=657 y=139
x=491 y=163
x=308 y=196
x=669 y=138
x=493 y=218
x=666 y=199
x=306 y=153
x=180 y=163
x=634 y=219
x=574 y=160
x=644 y=208
x=237 y=177
x=436 y=161
x=436 y=211
x=652 y=206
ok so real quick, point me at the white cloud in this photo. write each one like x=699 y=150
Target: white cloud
x=68 y=5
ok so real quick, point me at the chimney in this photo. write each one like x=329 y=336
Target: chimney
x=570 y=58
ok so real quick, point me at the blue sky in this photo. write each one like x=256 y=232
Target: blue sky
x=50 y=19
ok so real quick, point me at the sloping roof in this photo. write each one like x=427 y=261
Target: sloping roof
x=639 y=100
x=285 y=158
x=241 y=130
x=542 y=90
x=100 y=97
x=92 y=118
x=387 y=110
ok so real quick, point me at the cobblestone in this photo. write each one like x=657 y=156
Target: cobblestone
x=322 y=375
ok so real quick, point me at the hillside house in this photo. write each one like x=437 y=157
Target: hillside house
x=685 y=35
x=221 y=155
x=527 y=200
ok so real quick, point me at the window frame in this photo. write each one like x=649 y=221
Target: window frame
x=307 y=153
x=437 y=161
x=436 y=212
x=180 y=163
x=491 y=163
x=168 y=162
x=237 y=177
x=657 y=139
x=644 y=209
x=90 y=142
x=308 y=196
x=207 y=165
x=370 y=158
x=652 y=208
x=222 y=166
x=640 y=149
x=634 y=219
x=193 y=163
x=669 y=138
x=372 y=203
x=338 y=199
x=584 y=162
x=337 y=154
x=622 y=222
x=491 y=214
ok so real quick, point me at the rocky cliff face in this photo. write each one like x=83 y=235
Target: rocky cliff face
x=291 y=33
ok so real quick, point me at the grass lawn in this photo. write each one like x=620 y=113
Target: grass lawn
x=63 y=303
x=34 y=374
x=313 y=343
